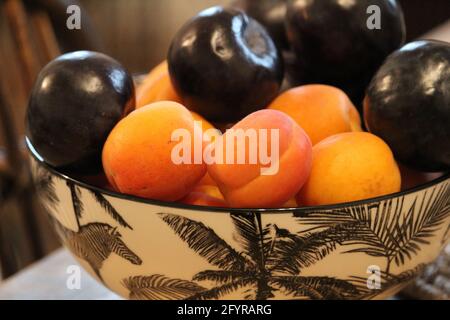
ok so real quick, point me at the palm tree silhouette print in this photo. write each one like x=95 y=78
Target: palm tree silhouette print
x=271 y=259
x=45 y=187
x=78 y=206
x=94 y=243
x=388 y=229
x=159 y=287
x=256 y=269
x=446 y=236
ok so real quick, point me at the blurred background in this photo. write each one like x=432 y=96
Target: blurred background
x=135 y=32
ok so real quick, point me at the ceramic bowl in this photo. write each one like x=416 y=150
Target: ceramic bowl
x=143 y=249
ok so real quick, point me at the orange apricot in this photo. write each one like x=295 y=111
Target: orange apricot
x=249 y=180
x=137 y=156
x=207 y=181
x=209 y=131
x=157 y=86
x=201 y=199
x=206 y=125
x=211 y=190
x=320 y=110
x=209 y=196
x=154 y=75
x=348 y=167
x=292 y=203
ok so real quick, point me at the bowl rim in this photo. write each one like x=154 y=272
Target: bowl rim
x=177 y=205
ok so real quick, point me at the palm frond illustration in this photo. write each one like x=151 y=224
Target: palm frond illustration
x=158 y=287
x=317 y=287
x=255 y=268
x=293 y=252
x=386 y=229
x=417 y=229
x=206 y=243
x=100 y=199
x=106 y=205
x=94 y=243
x=45 y=187
x=446 y=236
x=77 y=204
x=387 y=282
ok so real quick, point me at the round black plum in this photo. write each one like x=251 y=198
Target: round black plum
x=225 y=65
x=408 y=105
x=76 y=101
x=334 y=45
x=271 y=14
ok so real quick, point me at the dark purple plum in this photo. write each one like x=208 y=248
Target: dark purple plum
x=271 y=14
x=225 y=65
x=333 y=44
x=76 y=101
x=408 y=105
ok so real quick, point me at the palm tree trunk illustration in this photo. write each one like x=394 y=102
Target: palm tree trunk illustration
x=262 y=261
x=388 y=265
x=265 y=249
x=76 y=203
x=264 y=291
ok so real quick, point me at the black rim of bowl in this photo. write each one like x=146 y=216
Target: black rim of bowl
x=177 y=205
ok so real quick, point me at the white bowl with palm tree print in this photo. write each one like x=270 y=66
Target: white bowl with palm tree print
x=144 y=249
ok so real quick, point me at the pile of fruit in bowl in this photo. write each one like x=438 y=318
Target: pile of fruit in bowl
x=295 y=156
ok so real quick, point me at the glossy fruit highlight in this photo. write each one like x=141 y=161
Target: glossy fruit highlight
x=334 y=45
x=224 y=65
x=271 y=14
x=408 y=105
x=76 y=101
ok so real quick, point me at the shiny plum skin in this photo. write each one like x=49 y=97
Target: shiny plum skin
x=76 y=101
x=408 y=105
x=271 y=14
x=224 y=65
x=333 y=44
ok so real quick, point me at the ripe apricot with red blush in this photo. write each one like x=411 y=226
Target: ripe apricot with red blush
x=205 y=195
x=261 y=183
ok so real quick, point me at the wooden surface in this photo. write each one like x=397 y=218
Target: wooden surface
x=138 y=33
x=47 y=280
